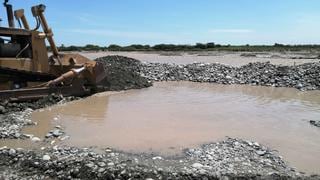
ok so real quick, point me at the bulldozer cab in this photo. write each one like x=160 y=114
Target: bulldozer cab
x=22 y=48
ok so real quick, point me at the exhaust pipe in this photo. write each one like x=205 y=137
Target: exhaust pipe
x=9 y=14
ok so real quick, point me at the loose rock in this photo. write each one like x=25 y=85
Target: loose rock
x=35 y=139
x=226 y=162
x=46 y=158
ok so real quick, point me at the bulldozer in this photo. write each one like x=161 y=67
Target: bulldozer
x=27 y=72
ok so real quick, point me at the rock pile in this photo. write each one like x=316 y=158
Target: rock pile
x=235 y=156
x=231 y=158
x=302 y=77
x=55 y=133
x=122 y=74
x=11 y=124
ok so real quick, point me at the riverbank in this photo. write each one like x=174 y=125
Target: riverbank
x=232 y=159
x=303 y=77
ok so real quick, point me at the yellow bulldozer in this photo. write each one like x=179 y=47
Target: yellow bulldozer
x=27 y=72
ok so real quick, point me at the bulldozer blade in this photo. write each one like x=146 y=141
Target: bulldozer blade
x=100 y=72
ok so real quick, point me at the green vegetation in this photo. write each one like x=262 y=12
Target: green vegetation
x=197 y=47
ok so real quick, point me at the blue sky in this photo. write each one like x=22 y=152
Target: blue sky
x=126 y=22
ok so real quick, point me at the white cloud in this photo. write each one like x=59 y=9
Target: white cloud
x=235 y=31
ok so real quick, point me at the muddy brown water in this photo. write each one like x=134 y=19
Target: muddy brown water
x=171 y=116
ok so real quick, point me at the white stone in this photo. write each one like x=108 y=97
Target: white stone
x=237 y=144
x=46 y=158
x=101 y=164
x=35 y=139
x=90 y=165
x=111 y=164
x=64 y=138
x=4 y=147
x=261 y=153
x=108 y=150
x=12 y=151
x=14 y=127
x=101 y=170
x=28 y=135
x=157 y=158
x=56 y=133
x=197 y=165
x=250 y=143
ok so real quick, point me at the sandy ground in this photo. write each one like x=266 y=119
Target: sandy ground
x=230 y=58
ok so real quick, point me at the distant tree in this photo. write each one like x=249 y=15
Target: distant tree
x=201 y=46
x=278 y=45
x=114 y=47
x=146 y=47
x=164 y=47
x=211 y=45
x=92 y=47
x=74 y=48
x=137 y=46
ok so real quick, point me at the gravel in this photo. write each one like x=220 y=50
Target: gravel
x=8 y=107
x=17 y=115
x=231 y=158
x=303 y=77
x=127 y=73
x=235 y=156
x=121 y=74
